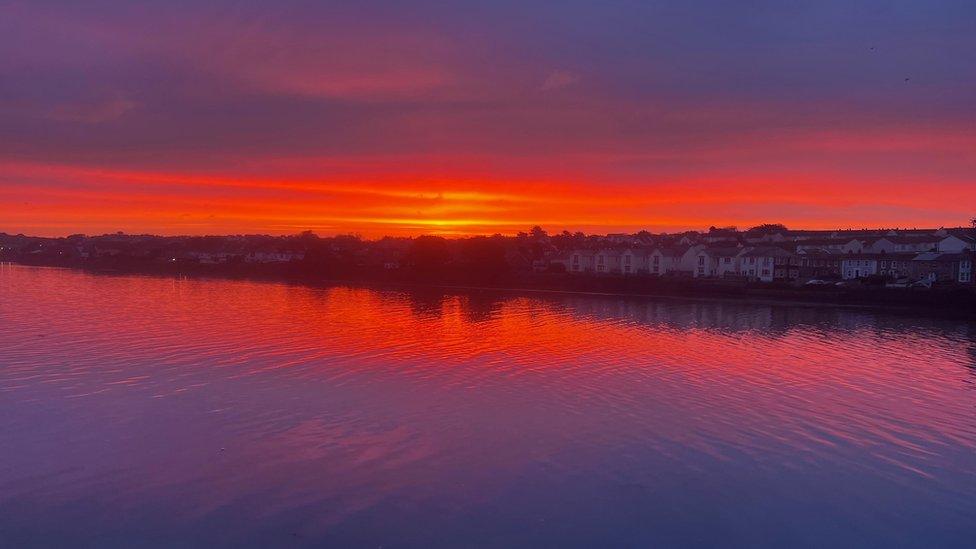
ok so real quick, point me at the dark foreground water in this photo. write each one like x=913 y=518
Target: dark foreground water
x=154 y=412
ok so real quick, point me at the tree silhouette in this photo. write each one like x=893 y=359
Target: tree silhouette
x=428 y=253
x=767 y=228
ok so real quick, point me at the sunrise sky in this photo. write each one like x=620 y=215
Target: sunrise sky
x=462 y=117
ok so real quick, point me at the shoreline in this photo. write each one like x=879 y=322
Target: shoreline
x=955 y=303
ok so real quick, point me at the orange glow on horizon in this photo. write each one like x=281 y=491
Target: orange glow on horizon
x=54 y=199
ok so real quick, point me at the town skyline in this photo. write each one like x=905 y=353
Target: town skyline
x=768 y=253
x=526 y=230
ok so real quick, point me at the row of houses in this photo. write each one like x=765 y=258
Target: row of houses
x=756 y=262
x=925 y=266
x=770 y=263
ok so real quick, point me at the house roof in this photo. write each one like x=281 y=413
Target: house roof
x=965 y=235
x=724 y=251
x=807 y=233
x=767 y=251
x=833 y=254
x=939 y=256
x=826 y=241
x=672 y=252
x=880 y=256
x=905 y=239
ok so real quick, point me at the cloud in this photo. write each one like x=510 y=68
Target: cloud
x=92 y=112
x=559 y=79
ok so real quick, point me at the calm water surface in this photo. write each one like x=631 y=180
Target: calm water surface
x=155 y=412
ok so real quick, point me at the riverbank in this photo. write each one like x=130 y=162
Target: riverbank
x=953 y=301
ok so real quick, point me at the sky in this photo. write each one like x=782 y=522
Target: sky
x=471 y=117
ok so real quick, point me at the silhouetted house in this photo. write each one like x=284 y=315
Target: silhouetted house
x=786 y=264
x=210 y=258
x=687 y=263
x=943 y=267
x=958 y=242
x=620 y=238
x=581 y=261
x=846 y=245
x=725 y=260
x=901 y=244
x=705 y=261
x=805 y=235
x=606 y=261
x=726 y=236
x=896 y=266
x=760 y=262
x=662 y=261
x=819 y=264
x=854 y=266
x=273 y=257
x=633 y=261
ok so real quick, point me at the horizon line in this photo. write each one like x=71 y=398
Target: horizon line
x=460 y=236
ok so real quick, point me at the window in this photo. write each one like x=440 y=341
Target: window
x=728 y=260
x=765 y=272
x=657 y=259
x=627 y=260
x=701 y=260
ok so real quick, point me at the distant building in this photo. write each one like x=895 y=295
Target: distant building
x=607 y=261
x=901 y=244
x=633 y=261
x=760 y=263
x=856 y=266
x=662 y=261
x=819 y=264
x=273 y=257
x=581 y=261
x=845 y=245
x=943 y=267
x=955 y=243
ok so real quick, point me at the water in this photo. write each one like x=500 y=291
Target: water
x=159 y=412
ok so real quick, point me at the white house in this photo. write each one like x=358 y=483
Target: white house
x=662 y=261
x=966 y=269
x=858 y=266
x=726 y=260
x=580 y=261
x=956 y=244
x=703 y=265
x=633 y=261
x=688 y=262
x=901 y=244
x=607 y=261
x=845 y=245
x=760 y=263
